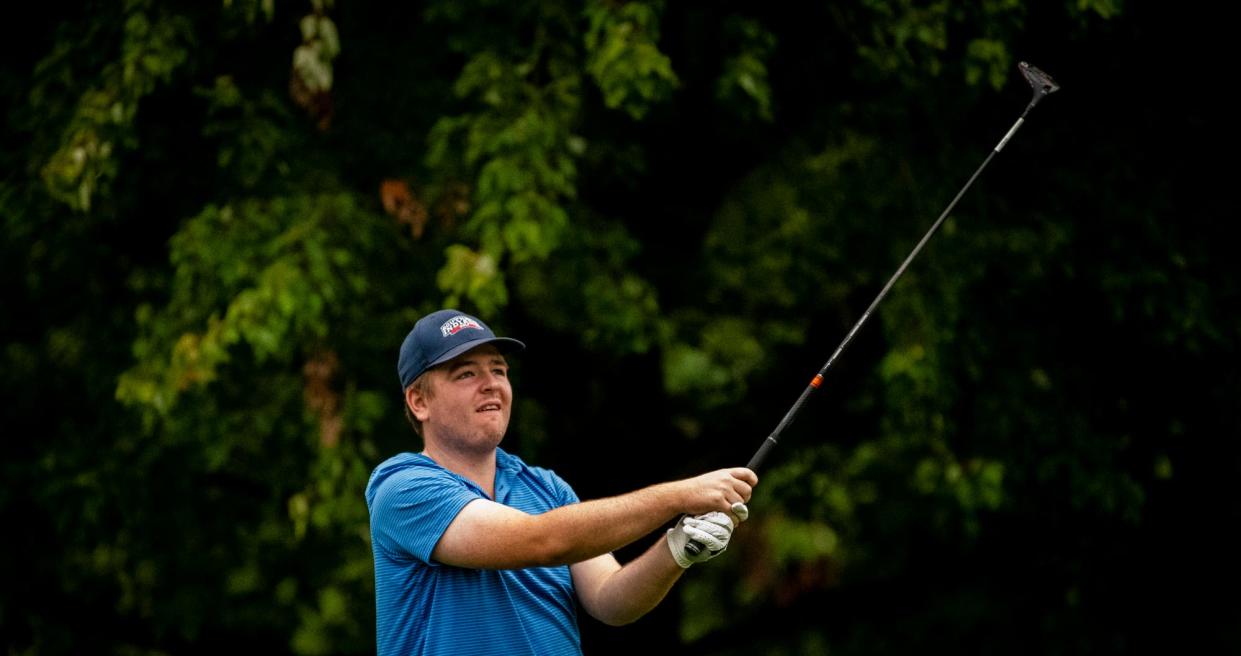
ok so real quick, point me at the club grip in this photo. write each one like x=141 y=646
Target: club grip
x=759 y=456
x=693 y=548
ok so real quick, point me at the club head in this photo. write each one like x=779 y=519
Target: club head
x=1041 y=82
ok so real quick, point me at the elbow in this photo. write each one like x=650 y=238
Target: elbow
x=550 y=549
x=617 y=614
x=612 y=610
x=620 y=620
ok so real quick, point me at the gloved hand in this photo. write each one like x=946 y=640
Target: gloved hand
x=711 y=530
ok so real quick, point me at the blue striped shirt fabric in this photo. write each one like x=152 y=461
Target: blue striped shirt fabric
x=424 y=607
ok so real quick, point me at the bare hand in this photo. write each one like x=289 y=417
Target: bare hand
x=717 y=491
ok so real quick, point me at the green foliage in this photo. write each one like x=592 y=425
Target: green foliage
x=473 y=276
x=590 y=291
x=682 y=210
x=251 y=9
x=519 y=151
x=1104 y=8
x=912 y=39
x=908 y=32
x=257 y=282
x=266 y=274
x=623 y=58
x=153 y=46
x=312 y=61
x=254 y=142
x=715 y=372
x=743 y=85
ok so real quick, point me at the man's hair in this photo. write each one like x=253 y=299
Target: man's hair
x=423 y=385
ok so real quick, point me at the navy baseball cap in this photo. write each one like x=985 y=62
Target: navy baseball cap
x=442 y=336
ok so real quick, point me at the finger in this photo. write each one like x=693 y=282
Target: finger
x=719 y=531
x=742 y=488
x=721 y=525
x=714 y=528
x=741 y=511
x=720 y=518
x=744 y=474
x=704 y=538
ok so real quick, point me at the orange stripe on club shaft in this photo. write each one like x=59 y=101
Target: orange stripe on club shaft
x=816 y=381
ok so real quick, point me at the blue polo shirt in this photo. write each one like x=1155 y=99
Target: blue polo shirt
x=424 y=607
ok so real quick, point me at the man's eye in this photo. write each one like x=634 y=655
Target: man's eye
x=502 y=373
x=465 y=374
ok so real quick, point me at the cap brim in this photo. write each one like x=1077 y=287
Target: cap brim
x=502 y=344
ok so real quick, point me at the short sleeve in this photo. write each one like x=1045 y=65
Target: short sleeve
x=564 y=491
x=414 y=507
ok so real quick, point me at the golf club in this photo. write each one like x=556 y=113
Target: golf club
x=1043 y=85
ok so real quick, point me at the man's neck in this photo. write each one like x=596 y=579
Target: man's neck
x=477 y=467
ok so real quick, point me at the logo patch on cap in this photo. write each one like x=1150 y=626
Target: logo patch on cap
x=457 y=324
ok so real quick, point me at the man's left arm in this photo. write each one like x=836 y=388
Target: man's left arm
x=617 y=595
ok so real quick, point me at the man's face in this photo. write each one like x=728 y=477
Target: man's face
x=470 y=402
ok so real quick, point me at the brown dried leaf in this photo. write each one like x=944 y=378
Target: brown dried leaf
x=400 y=202
x=320 y=398
x=318 y=104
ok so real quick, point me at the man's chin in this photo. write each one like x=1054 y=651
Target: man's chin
x=493 y=435
x=496 y=428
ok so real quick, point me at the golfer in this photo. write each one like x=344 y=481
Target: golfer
x=477 y=552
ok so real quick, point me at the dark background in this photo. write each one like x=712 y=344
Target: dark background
x=1029 y=448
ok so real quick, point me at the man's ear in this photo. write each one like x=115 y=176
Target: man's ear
x=416 y=401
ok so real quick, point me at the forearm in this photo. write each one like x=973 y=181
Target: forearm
x=630 y=592
x=584 y=530
x=488 y=535
x=589 y=529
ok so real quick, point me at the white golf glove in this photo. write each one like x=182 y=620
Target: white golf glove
x=711 y=530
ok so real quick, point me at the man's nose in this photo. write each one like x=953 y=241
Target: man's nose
x=490 y=380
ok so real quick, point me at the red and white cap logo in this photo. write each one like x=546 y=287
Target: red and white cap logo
x=457 y=324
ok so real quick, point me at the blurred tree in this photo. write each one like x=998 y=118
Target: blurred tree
x=221 y=219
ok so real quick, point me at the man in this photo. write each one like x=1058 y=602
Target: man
x=477 y=552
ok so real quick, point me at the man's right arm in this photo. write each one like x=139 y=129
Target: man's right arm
x=489 y=535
